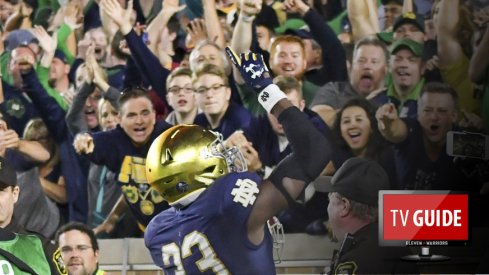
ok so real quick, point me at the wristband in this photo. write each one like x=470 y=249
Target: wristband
x=269 y=96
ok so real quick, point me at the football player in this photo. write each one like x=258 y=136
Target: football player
x=219 y=211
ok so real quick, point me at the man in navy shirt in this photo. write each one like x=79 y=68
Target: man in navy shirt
x=124 y=150
x=213 y=96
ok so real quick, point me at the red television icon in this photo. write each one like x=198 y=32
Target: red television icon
x=423 y=218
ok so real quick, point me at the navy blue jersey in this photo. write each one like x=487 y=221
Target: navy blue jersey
x=210 y=235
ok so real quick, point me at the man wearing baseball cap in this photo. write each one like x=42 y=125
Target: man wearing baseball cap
x=353 y=215
x=20 y=250
x=412 y=26
x=409 y=25
x=406 y=76
x=17 y=252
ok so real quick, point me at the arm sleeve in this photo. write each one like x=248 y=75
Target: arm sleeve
x=48 y=108
x=112 y=95
x=75 y=119
x=334 y=58
x=64 y=32
x=132 y=75
x=311 y=151
x=148 y=64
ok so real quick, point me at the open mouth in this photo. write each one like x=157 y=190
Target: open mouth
x=354 y=136
x=366 y=80
x=98 y=50
x=403 y=73
x=287 y=69
x=434 y=128
x=89 y=112
x=139 y=130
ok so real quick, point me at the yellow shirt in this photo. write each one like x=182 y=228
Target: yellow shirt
x=456 y=75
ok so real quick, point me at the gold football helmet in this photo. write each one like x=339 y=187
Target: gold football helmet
x=185 y=159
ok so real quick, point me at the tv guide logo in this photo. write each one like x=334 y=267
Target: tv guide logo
x=425 y=217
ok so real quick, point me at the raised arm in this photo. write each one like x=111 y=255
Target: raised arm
x=446 y=23
x=67 y=41
x=214 y=29
x=311 y=151
x=20 y=19
x=154 y=29
x=49 y=110
x=47 y=43
x=75 y=117
x=390 y=125
x=243 y=31
x=146 y=61
x=479 y=63
x=407 y=6
x=363 y=18
x=333 y=55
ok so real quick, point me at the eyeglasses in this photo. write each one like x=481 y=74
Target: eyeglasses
x=78 y=248
x=215 y=87
x=176 y=89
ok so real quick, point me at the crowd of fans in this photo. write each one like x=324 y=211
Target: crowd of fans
x=88 y=85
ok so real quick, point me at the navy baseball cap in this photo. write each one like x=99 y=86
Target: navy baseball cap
x=304 y=34
x=60 y=55
x=411 y=18
x=19 y=37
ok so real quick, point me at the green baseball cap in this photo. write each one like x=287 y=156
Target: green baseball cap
x=385 y=37
x=292 y=24
x=415 y=47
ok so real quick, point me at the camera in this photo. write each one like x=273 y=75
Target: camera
x=467 y=144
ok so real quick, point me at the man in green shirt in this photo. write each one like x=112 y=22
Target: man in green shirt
x=406 y=80
x=19 y=253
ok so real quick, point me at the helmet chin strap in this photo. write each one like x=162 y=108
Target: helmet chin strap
x=277 y=231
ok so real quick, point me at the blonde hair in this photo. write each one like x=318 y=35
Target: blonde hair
x=210 y=69
x=35 y=128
